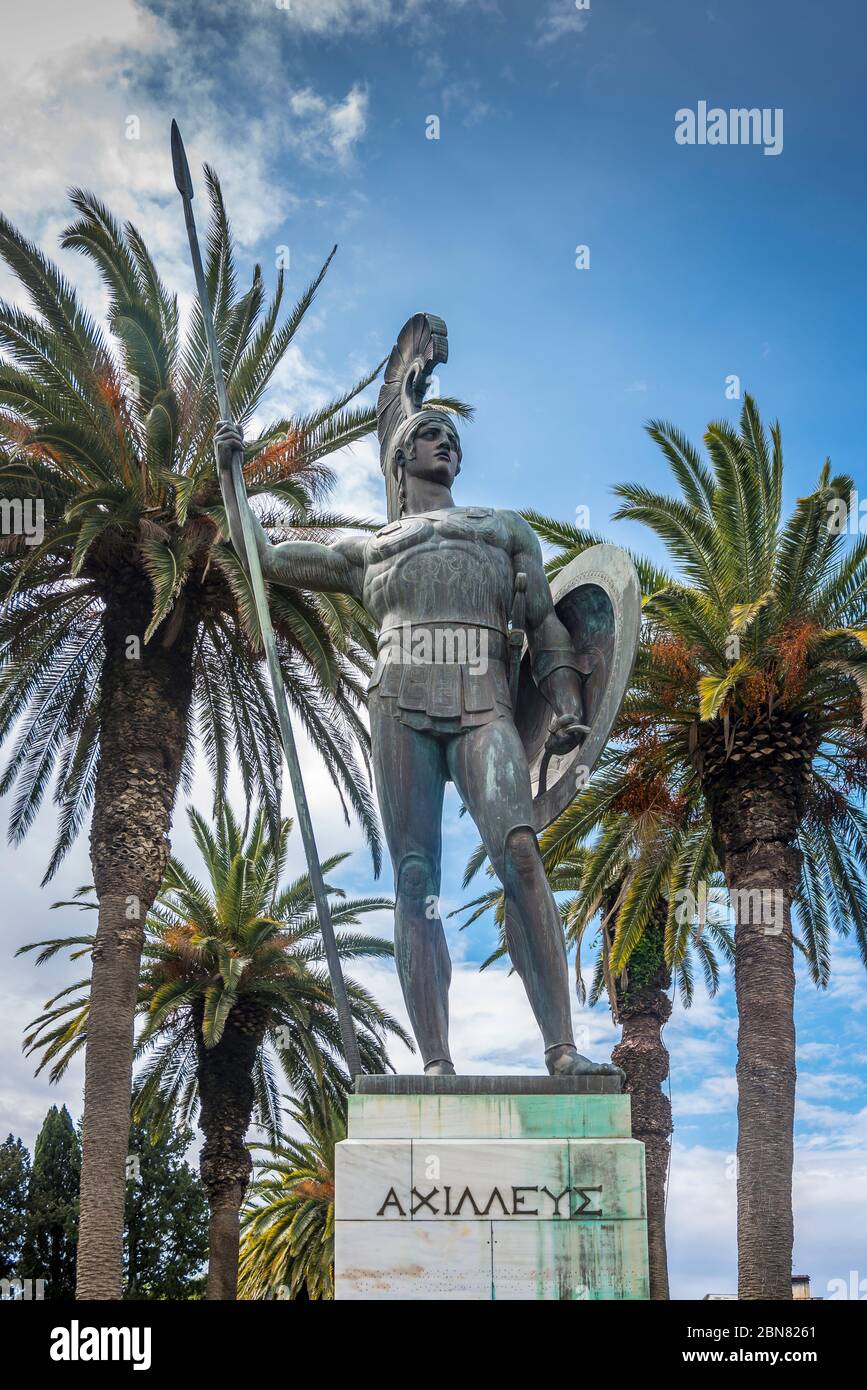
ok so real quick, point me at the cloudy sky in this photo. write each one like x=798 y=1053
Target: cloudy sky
x=556 y=131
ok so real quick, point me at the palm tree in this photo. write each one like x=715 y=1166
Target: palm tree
x=636 y=850
x=231 y=982
x=618 y=854
x=636 y=841
x=127 y=625
x=639 y=999
x=287 y=1244
x=753 y=677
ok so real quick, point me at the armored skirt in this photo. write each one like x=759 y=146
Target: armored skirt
x=441 y=678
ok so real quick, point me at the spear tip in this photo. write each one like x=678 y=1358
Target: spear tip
x=183 y=180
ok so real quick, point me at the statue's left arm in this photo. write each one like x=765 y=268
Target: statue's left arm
x=552 y=656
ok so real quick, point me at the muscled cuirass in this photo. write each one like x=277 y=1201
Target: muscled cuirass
x=448 y=566
x=439 y=587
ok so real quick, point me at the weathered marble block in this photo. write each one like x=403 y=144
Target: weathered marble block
x=488 y=1117
x=450 y=1194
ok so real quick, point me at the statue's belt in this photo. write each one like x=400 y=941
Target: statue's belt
x=441 y=643
x=438 y=671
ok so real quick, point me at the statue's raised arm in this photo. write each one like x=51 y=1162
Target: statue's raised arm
x=334 y=568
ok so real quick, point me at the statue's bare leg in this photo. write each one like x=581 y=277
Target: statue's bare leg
x=410 y=772
x=489 y=768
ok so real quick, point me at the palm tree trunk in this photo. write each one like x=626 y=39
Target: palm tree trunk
x=755 y=799
x=224 y=1239
x=144 y=726
x=765 y=990
x=227 y=1096
x=644 y=1007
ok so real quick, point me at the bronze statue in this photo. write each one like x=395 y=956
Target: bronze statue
x=450 y=589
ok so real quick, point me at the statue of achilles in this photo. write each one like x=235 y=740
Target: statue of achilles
x=437 y=570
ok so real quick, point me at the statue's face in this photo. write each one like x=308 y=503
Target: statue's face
x=435 y=454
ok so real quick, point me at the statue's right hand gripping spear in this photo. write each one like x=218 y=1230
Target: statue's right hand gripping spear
x=254 y=569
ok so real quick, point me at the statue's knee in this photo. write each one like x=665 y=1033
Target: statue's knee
x=522 y=852
x=416 y=879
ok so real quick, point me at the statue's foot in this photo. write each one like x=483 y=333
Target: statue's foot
x=439 y=1067
x=565 y=1060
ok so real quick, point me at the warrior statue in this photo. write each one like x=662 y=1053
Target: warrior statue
x=452 y=590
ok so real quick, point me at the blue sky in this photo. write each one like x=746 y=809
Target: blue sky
x=556 y=130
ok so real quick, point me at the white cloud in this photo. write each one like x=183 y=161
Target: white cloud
x=820 y=1085
x=336 y=18
x=702 y=1219
x=76 y=94
x=817 y=1051
x=336 y=128
x=62 y=102
x=847 y=981
x=828 y=1126
x=37 y=32
x=701 y=1222
x=25 y=1098
x=65 y=106
x=360 y=488
x=492 y=1030
x=716 y=1095
x=560 y=21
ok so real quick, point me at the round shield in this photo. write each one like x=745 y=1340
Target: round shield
x=598 y=599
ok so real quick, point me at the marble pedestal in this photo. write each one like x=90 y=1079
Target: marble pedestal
x=469 y=1188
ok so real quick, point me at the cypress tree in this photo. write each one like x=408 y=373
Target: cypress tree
x=14 y=1184
x=51 y=1233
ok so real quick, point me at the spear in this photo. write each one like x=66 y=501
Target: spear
x=254 y=569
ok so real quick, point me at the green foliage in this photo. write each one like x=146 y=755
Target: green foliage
x=790 y=592
x=763 y=617
x=646 y=963
x=51 y=1236
x=242 y=937
x=624 y=851
x=14 y=1186
x=109 y=428
x=287 y=1243
x=165 y=1243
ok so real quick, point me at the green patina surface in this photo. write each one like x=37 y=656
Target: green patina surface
x=617 y=1166
x=489 y=1117
x=571 y=1261
x=591 y=1246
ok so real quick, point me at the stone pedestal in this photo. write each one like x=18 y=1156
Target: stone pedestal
x=490 y=1188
